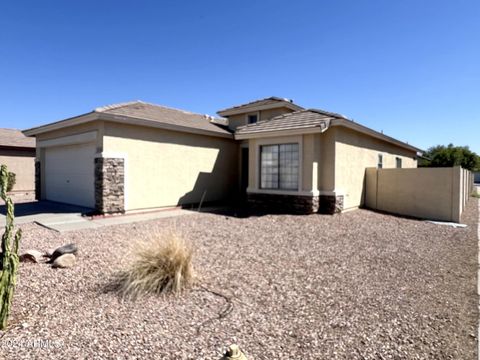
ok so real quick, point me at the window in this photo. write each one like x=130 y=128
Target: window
x=398 y=161
x=252 y=119
x=279 y=166
x=380 y=161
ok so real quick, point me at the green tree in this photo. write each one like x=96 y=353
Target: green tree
x=447 y=156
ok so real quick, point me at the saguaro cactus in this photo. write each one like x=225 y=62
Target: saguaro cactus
x=9 y=255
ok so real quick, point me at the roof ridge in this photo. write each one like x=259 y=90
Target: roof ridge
x=172 y=108
x=120 y=105
x=116 y=106
x=329 y=113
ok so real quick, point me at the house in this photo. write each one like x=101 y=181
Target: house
x=273 y=152
x=18 y=152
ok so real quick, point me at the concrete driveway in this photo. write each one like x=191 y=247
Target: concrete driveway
x=63 y=217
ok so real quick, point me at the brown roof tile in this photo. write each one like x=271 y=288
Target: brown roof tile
x=165 y=115
x=297 y=120
x=15 y=138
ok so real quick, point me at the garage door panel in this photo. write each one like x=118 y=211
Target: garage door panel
x=69 y=174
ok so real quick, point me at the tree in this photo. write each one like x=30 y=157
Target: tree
x=447 y=156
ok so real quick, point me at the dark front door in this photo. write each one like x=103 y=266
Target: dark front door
x=244 y=174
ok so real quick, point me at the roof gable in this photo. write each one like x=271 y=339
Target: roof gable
x=262 y=104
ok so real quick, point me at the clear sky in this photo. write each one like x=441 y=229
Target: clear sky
x=410 y=68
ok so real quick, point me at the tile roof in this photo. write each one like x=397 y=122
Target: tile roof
x=262 y=102
x=296 y=120
x=310 y=119
x=148 y=114
x=165 y=115
x=15 y=138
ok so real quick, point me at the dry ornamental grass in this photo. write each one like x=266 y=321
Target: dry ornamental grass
x=161 y=265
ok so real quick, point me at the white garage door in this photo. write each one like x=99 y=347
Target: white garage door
x=69 y=174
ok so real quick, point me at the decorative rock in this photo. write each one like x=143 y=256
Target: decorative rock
x=62 y=250
x=33 y=256
x=64 y=261
x=234 y=353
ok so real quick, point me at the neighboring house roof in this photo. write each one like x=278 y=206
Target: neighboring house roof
x=14 y=138
x=262 y=104
x=144 y=114
x=310 y=121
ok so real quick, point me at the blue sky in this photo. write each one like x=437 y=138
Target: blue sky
x=409 y=68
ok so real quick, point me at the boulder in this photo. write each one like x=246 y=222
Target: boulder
x=32 y=255
x=64 y=261
x=62 y=250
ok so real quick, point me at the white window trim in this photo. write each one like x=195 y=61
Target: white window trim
x=278 y=141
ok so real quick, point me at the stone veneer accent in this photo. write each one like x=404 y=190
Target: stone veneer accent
x=331 y=204
x=277 y=203
x=110 y=185
x=38 y=180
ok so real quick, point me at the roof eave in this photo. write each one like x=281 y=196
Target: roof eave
x=18 y=147
x=76 y=120
x=365 y=130
x=285 y=132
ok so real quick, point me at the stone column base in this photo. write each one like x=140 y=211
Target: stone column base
x=277 y=203
x=110 y=185
x=38 y=180
x=331 y=204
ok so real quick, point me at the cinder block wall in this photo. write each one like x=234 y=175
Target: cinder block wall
x=427 y=193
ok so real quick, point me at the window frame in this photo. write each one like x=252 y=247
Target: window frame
x=299 y=168
x=380 y=161
x=398 y=161
x=247 y=117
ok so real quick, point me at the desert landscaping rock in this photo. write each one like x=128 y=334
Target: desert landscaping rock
x=359 y=285
x=62 y=250
x=33 y=256
x=64 y=261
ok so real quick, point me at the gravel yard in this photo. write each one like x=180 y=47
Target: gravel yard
x=359 y=285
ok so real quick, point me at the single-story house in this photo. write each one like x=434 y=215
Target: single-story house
x=272 y=152
x=18 y=152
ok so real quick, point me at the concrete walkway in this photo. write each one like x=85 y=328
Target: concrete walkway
x=62 y=217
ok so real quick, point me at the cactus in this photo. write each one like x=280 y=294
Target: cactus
x=8 y=256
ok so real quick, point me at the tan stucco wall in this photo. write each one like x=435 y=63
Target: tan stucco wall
x=22 y=163
x=167 y=168
x=354 y=152
x=428 y=193
x=235 y=121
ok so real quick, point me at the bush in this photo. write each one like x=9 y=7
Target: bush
x=161 y=265
x=12 y=179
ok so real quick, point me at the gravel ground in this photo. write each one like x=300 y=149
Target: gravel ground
x=359 y=285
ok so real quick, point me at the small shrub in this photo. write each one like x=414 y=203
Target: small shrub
x=12 y=179
x=161 y=265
